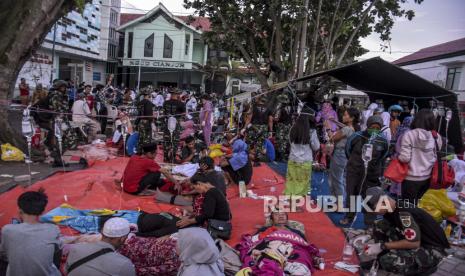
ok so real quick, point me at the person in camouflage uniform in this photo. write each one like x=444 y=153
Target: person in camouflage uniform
x=408 y=240
x=58 y=102
x=282 y=126
x=173 y=107
x=144 y=126
x=258 y=129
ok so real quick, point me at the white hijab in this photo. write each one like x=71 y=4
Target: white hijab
x=198 y=253
x=367 y=114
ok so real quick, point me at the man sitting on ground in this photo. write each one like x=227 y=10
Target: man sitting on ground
x=189 y=153
x=207 y=173
x=409 y=240
x=142 y=173
x=100 y=258
x=31 y=247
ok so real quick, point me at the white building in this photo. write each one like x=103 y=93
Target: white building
x=442 y=64
x=85 y=47
x=161 y=49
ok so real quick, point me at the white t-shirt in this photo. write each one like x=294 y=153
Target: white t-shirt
x=81 y=111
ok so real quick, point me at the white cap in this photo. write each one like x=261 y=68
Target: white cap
x=116 y=228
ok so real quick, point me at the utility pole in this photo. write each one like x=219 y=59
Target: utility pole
x=53 y=52
x=303 y=40
x=138 y=76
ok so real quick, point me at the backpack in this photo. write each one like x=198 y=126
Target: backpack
x=37 y=108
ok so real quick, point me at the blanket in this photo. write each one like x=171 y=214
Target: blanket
x=276 y=252
x=85 y=221
x=152 y=256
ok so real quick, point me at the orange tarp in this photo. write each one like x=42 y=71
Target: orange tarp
x=94 y=188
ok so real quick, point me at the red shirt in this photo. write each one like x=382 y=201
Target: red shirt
x=23 y=90
x=90 y=101
x=136 y=169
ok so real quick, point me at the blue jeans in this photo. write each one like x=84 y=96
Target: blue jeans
x=336 y=178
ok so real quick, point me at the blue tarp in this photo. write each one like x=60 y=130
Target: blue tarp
x=84 y=221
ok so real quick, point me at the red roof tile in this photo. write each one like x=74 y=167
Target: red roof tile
x=200 y=23
x=433 y=51
x=127 y=17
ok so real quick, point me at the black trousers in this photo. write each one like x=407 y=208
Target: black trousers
x=243 y=174
x=151 y=180
x=412 y=191
x=355 y=187
x=103 y=120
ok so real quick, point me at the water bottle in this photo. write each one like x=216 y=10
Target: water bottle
x=348 y=252
x=242 y=189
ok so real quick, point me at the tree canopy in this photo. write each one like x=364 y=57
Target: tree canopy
x=255 y=30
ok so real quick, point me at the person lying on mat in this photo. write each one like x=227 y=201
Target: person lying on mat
x=100 y=258
x=279 y=220
x=142 y=175
x=30 y=247
x=237 y=166
x=207 y=173
x=278 y=250
x=214 y=206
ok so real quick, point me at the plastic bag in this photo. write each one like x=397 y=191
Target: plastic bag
x=437 y=204
x=10 y=153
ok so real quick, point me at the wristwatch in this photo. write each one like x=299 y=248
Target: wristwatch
x=383 y=246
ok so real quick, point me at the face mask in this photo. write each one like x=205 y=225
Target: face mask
x=372 y=131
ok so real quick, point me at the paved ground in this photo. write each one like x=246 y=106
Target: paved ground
x=453 y=265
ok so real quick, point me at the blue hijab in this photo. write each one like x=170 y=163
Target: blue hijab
x=240 y=155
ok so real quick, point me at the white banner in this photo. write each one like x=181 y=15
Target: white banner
x=157 y=63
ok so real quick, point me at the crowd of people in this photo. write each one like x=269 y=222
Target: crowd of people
x=187 y=127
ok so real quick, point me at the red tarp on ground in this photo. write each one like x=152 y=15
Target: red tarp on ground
x=94 y=188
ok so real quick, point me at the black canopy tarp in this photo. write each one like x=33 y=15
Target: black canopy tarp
x=383 y=80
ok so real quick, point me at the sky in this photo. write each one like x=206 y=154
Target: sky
x=435 y=22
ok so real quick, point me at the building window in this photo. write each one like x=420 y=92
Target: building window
x=453 y=78
x=121 y=46
x=130 y=38
x=148 y=46
x=188 y=43
x=168 y=47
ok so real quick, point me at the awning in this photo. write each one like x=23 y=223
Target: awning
x=383 y=80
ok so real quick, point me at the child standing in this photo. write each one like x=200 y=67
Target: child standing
x=304 y=140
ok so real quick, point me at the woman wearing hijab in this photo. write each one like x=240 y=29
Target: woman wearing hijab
x=367 y=114
x=238 y=167
x=198 y=253
x=206 y=118
x=386 y=131
x=328 y=117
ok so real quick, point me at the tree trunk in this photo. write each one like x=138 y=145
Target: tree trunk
x=25 y=25
x=315 y=38
x=351 y=38
x=303 y=40
x=295 y=48
x=261 y=77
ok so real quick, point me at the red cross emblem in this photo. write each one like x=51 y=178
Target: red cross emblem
x=410 y=234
